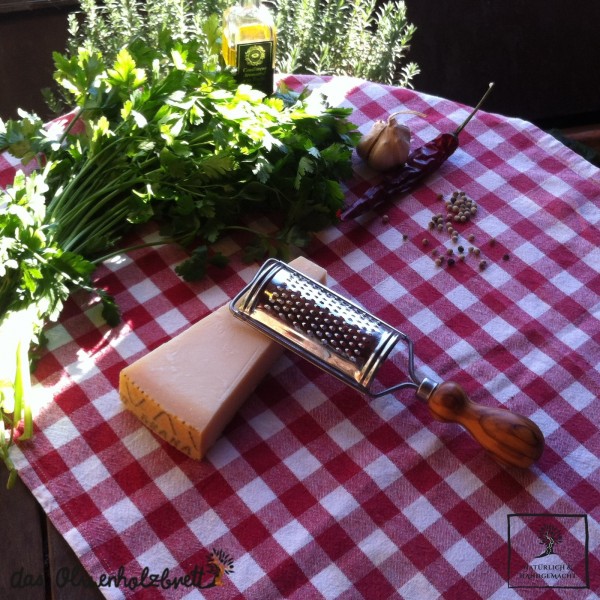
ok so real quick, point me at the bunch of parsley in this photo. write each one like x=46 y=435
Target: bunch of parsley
x=169 y=137
x=36 y=277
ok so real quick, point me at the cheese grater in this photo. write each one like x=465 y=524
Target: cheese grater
x=351 y=344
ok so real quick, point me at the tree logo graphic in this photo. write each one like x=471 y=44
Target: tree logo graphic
x=549 y=536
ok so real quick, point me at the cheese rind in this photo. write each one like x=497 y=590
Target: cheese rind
x=188 y=389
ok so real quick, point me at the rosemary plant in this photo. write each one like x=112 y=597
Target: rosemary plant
x=361 y=38
x=109 y=25
x=345 y=37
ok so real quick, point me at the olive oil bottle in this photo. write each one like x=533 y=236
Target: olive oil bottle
x=249 y=43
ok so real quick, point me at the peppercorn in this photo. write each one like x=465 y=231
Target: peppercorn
x=482 y=265
x=505 y=257
x=450 y=262
x=461 y=249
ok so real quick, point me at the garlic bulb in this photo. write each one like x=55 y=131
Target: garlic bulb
x=387 y=145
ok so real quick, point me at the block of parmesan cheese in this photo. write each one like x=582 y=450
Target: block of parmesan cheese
x=188 y=389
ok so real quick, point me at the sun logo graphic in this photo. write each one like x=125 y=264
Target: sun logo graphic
x=255 y=55
x=219 y=563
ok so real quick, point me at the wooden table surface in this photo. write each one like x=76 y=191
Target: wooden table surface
x=35 y=561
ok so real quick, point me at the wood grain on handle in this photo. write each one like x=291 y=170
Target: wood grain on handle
x=511 y=439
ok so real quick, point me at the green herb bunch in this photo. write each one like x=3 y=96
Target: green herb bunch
x=201 y=155
x=345 y=37
x=108 y=25
x=167 y=137
x=37 y=275
x=361 y=38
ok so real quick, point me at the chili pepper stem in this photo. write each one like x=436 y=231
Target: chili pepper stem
x=466 y=121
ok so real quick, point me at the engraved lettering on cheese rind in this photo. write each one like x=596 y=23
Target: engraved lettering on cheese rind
x=134 y=397
x=129 y=397
x=191 y=434
x=147 y=420
x=161 y=414
x=177 y=444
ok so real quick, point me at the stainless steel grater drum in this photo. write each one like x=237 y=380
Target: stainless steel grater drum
x=348 y=342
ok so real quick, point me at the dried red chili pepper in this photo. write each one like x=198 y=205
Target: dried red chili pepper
x=420 y=163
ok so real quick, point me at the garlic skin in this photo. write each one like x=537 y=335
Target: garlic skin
x=387 y=145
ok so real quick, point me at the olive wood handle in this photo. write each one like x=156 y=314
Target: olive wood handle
x=511 y=439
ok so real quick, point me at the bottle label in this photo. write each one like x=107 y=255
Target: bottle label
x=255 y=65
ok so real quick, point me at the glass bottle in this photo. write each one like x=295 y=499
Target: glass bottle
x=249 y=43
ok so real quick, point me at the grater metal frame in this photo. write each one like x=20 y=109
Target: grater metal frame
x=248 y=306
x=308 y=318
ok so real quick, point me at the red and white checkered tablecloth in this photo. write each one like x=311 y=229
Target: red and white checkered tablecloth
x=315 y=491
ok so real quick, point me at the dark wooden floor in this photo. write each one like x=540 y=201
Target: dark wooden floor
x=588 y=135
x=35 y=561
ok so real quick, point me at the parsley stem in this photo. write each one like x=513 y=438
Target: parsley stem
x=88 y=208
x=76 y=117
x=129 y=249
x=242 y=228
x=64 y=195
x=62 y=274
x=113 y=220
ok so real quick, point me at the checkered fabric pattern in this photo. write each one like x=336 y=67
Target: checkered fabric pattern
x=9 y=165
x=315 y=491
